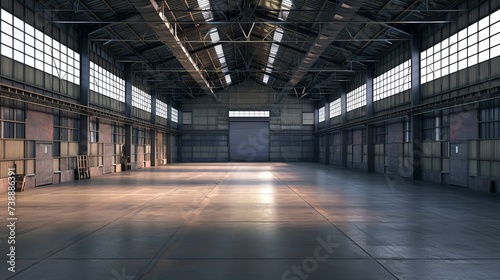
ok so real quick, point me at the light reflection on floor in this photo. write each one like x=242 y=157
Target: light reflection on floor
x=253 y=221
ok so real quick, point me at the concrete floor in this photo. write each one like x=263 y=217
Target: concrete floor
x=253 y=221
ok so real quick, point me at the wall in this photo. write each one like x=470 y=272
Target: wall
x=206 y=139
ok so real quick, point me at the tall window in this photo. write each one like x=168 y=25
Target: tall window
x=106 y=83
x=321 y=114
x=356 y=98
x=141 y=99
x=175 y=115
x=26 y=44
x=479 y=42
x=66 y=137
x=392 y=82
x=94 y=130
x=161 y=109
x=335 y=110
x=407 y=138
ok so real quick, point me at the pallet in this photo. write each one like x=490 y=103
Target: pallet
x=83 y=171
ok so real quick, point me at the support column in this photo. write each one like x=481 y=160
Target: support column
x=343 y=104
x=169 y=111
x=128 y=112
x=343 y=119
x=84 y=91
x=327 y=135
x=370 y=146
x=343 y=143
x=152 y=132
x=416 y=99
x=316 y=129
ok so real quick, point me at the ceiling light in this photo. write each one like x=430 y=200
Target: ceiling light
x=338 y=17
x=346 y=6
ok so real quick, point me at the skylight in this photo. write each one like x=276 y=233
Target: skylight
x=286 y=5
x=278 y=36
x=214 y=36
x=206 y=9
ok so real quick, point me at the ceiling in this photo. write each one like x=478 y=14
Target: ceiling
x=190 y=48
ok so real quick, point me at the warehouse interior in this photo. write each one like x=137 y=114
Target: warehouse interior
x=251 y=139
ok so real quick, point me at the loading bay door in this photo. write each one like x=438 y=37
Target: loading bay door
x=249 y=141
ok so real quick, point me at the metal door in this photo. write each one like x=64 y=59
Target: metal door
x=459 y=171
x=43 y=164
x=108 y=158
x=249 y=141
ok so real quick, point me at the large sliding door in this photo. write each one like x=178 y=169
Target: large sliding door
x=249 y=141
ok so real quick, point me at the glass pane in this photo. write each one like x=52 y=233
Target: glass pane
x=8 y=130
x=20 y=130
x=20 y=115
x=56 y=134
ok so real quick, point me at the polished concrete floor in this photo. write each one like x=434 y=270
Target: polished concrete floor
x=253 y=221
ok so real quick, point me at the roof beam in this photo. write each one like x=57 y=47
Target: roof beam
x=342 y=14
x=167 y=35
x=401 y=29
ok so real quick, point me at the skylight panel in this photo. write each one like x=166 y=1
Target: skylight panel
x=214 y=36
x=228 y=79
x=286 y=5
x=265 y=79
x=277 y=37
x=206 y=9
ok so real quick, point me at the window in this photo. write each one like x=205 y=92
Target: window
x=248 y=114
x=321 y=114
x=335 y=109
x=104 y=82
x=118 y=134
x=175 y=115
x=479 y=42
x=26 y=44
x=489 y=123
x=436 y=128
x=407 y=137
x=380 y=134
x=66 y=129
x=138 y=136
x=141 y=99
x=392 y=82
x=12 y=123
x=161 y=109
x=94 y=130
x=66 y=137
x=356 y=98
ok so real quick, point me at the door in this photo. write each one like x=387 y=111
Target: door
x=108 y=158
x=249 y=141
x=459 y=172
x=43 y=166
